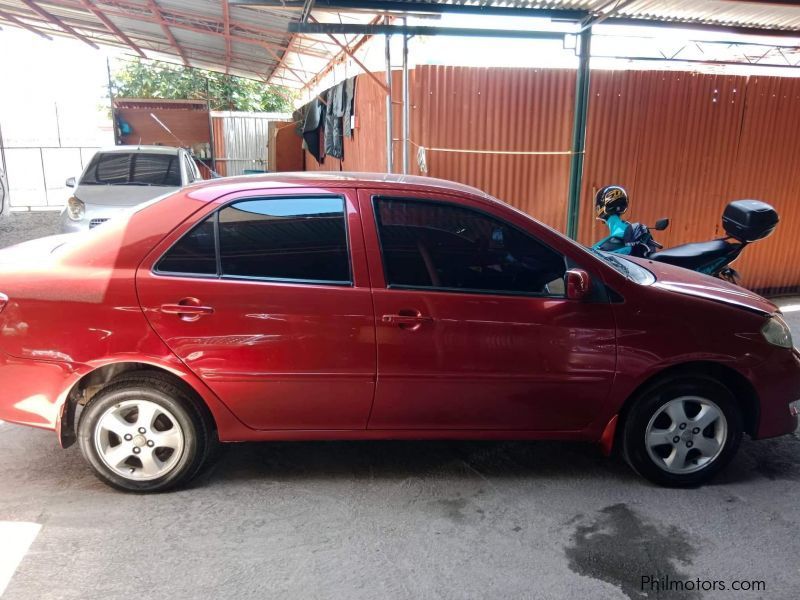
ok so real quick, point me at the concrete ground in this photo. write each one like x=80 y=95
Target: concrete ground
x=398 y=520
x=16 y=227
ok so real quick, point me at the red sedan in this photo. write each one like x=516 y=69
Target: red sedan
x=302 y=307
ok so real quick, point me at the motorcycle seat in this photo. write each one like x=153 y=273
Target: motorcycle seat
x=696 y=255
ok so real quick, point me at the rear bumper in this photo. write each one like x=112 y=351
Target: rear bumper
x=777 y=383
x=33 y=392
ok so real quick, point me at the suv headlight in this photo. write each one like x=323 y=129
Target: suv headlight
x=75 y=208
x=777 y=332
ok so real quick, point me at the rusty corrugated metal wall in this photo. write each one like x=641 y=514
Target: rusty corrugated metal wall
x=683 y=143
x=768 y=167
x=670 y=139
x=507 y=110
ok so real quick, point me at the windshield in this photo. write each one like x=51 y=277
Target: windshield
x=134 y=168
x=626 y=267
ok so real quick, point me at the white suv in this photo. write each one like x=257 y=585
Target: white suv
x=124 y=176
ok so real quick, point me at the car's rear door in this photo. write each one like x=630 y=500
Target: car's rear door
x=473 y=327
x=266 y=298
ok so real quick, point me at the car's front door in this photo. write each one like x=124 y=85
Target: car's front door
x=473 y=327
x=267 y=299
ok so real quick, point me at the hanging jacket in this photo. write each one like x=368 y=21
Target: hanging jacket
x=315 y=118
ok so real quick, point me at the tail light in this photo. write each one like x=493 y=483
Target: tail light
x=3 y=301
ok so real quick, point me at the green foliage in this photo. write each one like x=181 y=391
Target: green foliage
x=156 y=79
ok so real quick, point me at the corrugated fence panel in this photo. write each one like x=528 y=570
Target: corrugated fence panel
x=670 y=139
x=218 y=129
x=768 y=168
x=684 y=144
x=241 y=141
x=505 y=110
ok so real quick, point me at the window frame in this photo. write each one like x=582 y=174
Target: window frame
x=376 y=198
x=219 y=275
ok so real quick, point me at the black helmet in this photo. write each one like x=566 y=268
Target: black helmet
x=610 y=200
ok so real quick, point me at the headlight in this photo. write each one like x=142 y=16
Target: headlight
x=75 y=208
x=777 y=332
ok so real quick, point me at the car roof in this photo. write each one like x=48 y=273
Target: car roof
x=214 y=188
x=140 y=149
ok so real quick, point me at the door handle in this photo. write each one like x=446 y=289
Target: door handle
x=411 y=320
x=188 y=309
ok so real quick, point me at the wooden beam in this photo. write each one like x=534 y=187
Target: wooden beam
x=56 y=21
x=15 y=21
x=111 y=27
x=156 y=10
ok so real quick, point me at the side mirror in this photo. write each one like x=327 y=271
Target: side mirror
x=577 y=284
x=661 y=224
x=70 y=182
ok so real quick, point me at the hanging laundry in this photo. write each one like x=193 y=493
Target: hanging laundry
x=314 y=121
x=349 y=105
x=334 y=145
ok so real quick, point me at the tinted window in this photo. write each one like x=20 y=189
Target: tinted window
x=285 y=238
x=156 y=169
x=119 y=168
x=110 y=168
x=194 y=253
x=436 y=245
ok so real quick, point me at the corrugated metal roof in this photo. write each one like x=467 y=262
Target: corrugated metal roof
x=253 y=41
x=250 y=41
x=728 y=13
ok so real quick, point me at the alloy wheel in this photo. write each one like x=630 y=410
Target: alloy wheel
x=139 y=439
x=686 y=434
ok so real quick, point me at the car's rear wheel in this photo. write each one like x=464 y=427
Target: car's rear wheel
x=142 y=433
x=682 y=432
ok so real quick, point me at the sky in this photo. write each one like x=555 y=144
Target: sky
x=37 y=74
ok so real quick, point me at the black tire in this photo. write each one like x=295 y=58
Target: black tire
x=196 y=435
x=651 y=402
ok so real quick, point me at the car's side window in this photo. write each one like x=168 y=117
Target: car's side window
x=285 y=238
x=438 y=245
x=194 y=253
x=301 y=239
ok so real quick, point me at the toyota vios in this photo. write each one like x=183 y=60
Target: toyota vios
x=302 y=307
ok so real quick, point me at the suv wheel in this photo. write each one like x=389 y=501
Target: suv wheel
x=682 y=432
x=142 y=433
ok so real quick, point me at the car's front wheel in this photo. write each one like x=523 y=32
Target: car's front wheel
x=143 y=433
x=682 y=432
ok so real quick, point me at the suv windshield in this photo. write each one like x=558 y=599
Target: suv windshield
x=133 y=168
x=628 y=268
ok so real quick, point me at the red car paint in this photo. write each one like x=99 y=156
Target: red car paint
x=284 y=361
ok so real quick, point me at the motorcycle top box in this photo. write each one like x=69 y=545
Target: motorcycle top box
x=749 y=220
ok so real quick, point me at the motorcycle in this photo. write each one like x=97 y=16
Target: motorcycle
x=744 y=221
